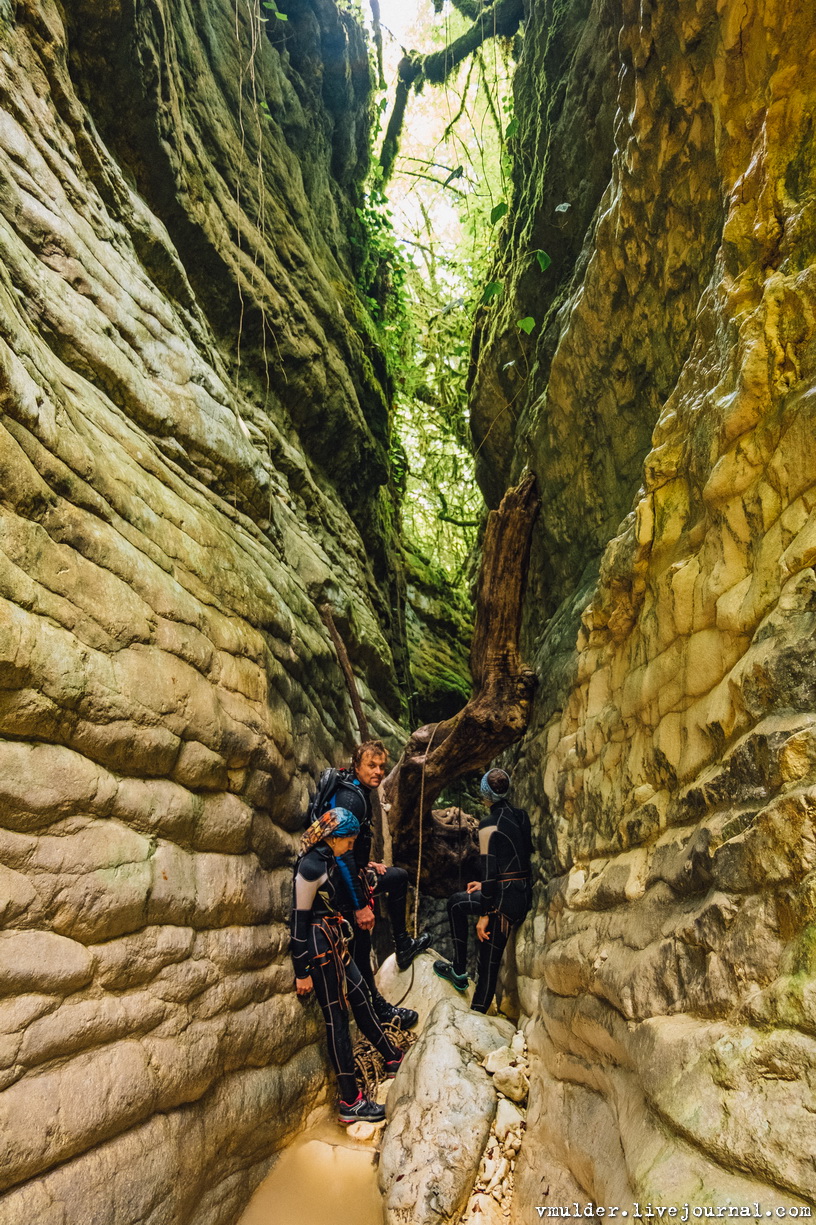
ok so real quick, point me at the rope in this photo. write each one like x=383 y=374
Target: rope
x=459 y=847
x=407 y=990
x=421 y=811
x=369 y=1063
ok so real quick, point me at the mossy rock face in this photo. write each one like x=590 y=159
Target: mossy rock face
x=439 y=627
x=193 y=448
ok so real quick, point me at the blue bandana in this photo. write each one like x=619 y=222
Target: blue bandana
x=488 y=791
x=336 y=823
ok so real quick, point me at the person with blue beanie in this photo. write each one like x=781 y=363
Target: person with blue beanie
x=501 y=899
x=320 y=934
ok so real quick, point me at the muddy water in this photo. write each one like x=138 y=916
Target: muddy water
x=324 y=1178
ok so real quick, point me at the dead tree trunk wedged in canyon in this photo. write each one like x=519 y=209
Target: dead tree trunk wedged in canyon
x=496 y=714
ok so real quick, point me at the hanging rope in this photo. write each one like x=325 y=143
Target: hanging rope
x=408 y=989
x=421 y=811
x=459 y=847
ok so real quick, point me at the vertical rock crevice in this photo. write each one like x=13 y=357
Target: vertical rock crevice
x=666 y=406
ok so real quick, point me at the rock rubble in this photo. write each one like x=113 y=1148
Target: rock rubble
x=492 y=1196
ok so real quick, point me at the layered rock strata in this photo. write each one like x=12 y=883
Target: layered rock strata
x=667 y=977
x=182 y=351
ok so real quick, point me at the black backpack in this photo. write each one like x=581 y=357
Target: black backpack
x=327 y=785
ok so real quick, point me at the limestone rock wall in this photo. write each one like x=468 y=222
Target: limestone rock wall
x=667 y=976
x=182 y=351
x=439 y=629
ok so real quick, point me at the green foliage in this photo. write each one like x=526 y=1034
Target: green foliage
x=544 y=260
x=431 y=454
x=435 y=236
x=442 y=505
x=526 y=324
x=381 y=273
x=272 y=7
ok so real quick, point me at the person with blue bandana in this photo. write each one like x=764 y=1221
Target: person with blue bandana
x=501 y=899
x=320 y=934
x=372 y=879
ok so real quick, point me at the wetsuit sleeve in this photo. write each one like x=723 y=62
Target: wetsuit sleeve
x=362 y=847
x=490 y=872
x=352 y=886
x=308 y=879
x=357 y=801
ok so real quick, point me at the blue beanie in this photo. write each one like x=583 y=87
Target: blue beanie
x=488 y=791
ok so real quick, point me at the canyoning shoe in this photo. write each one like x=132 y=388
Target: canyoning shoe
x=392 y=1014
x=408 y=948
x=361 y=1111
x=405 y=1018
x=445 y=970
x=392 y=1066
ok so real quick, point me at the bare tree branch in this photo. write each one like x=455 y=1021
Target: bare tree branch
x=376 y=25
x=458 y=522
x=498 y=20
x=408 y=69
x=327 y=617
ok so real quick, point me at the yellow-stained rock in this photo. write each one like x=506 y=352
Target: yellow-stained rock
x=665 y=973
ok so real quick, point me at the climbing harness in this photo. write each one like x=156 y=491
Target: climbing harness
x=337 y=931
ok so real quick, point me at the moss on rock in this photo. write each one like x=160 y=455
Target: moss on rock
x=439 y=625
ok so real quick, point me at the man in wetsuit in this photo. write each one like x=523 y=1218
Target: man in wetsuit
x=319 y=948
x=501 y=899
x=367 y=771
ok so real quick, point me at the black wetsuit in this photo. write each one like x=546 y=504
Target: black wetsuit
x=322 y=891
x=393 y=882
x=505 y=844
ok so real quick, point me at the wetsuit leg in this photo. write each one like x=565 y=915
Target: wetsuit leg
x=394 y=884
x=490 y=955
x=460 y=908
x=360 y=949
x=360 y=1001
x=327 y=989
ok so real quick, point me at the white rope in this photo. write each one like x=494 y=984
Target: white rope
x=421 y=811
